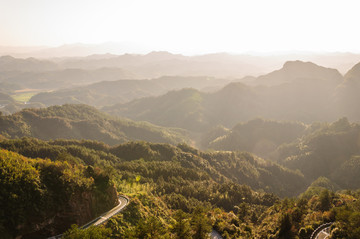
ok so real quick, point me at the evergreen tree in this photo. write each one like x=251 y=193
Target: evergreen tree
x=201 y=224
x=182 y=227
x=325 y=200
x=285 y=226
x=151 y=228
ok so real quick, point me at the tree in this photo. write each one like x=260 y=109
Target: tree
x=285 y=226
x=151 y=228
x=92 y=232
x=305 y=232
x=201 y=224
x=325 y=200
x=181 y=227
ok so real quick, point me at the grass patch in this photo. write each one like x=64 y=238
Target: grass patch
x=23 y=97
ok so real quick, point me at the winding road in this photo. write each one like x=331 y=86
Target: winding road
x=123 y=202
x=322 y=232
x=215 y=235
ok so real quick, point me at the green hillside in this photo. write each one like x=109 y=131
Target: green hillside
x=181 y=177
x=173 y=190
x=83 y=122
x=258 y=136
x=181 y=109
x=220 y=167
x=43 y=197
x=329 y=150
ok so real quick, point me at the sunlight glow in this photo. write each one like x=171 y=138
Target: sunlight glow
x=185 y=26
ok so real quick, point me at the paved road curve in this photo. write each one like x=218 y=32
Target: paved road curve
x=123 y=202
x=215 y=235
x=322 y=232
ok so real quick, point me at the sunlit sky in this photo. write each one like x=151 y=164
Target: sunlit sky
x=186 y=25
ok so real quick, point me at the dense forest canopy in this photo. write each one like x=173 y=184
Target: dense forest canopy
x=171 y=183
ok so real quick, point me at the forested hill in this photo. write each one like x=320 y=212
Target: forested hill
x=170 y=185
x=142 y=157
x=185 y=177
x=259 y=136
x=44 y=198
x=329 y=150
x=83 y=122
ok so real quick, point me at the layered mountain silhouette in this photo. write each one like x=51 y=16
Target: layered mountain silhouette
x=299 y=71
x=9 y=63
x=299 y=90
x=305 y=94
x=65 y=78
x=111 y=92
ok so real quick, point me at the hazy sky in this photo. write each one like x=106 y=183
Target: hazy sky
x=185 y=25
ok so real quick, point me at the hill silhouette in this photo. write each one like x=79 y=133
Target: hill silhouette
x=347 y=94
x=9 y=63
x=299 y=70
x=120 y=91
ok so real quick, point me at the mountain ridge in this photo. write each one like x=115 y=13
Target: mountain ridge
x=80 y=121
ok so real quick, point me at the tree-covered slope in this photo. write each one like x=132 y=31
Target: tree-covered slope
x=190 y=108
x=40 y=197
x=181 y=108
x=258 y=136
x=83 y=122
x=163 y=163
x=329 y=150
x=170 y=187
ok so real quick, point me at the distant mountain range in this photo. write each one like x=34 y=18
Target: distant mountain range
x=73 y=50
x=111 y=92
x=299 y=91
x=218 y=64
